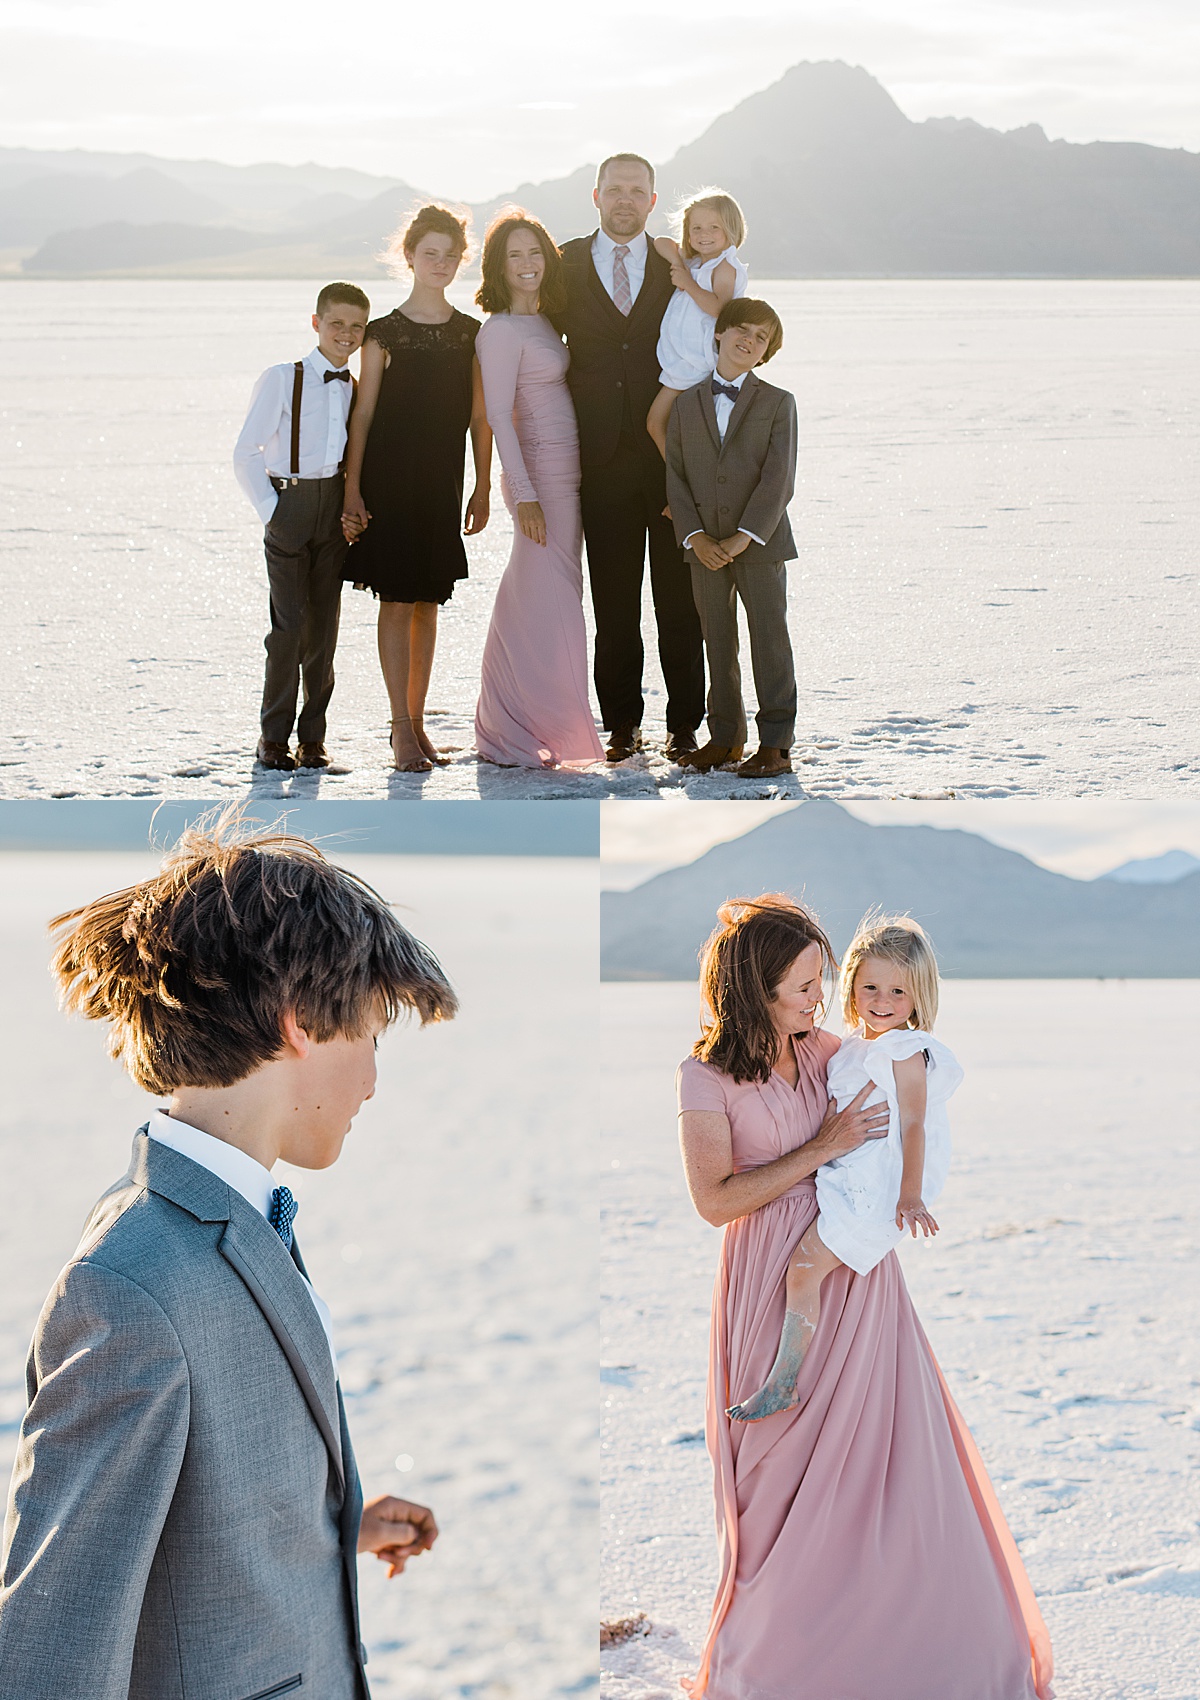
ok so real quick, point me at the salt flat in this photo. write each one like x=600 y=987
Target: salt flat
x=996 y=515
x=454 y=1241
x=1060 y=1298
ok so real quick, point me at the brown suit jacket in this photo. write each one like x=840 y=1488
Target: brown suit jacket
x=744 y=482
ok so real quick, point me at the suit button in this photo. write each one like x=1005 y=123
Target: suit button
x=619 y=384
x=624 y=348
x=722 y=509
x=721 y=478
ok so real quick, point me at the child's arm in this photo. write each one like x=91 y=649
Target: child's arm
x=668 y=248
x=372 y=364
x=776 y=482
x=710 y=301
x=910 y=1094
x=97 y=1464
x=480 y=503
x=249 y=461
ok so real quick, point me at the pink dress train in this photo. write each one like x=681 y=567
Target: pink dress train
x=533 y=708
x=863 y=1553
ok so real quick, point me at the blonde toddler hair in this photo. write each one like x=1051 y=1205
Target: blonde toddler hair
x=900 y=940
x=727 y=210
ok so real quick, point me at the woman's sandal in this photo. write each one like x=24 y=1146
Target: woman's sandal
x=419 y=764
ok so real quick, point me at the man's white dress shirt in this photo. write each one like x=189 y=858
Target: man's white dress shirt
x=240 y=1171
x=264 y=448
x=635 y=261
x=724 y=406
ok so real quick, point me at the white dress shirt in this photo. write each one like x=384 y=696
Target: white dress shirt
x=240 y=1171
x=724 y=406
x=264 y=449
x=635 y=261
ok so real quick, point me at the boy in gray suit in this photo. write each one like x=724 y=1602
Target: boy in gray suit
x=731 y=469
x=185 y=1509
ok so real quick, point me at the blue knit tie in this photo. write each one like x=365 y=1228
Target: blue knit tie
x=282 y=1214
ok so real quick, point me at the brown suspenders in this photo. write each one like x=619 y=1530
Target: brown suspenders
x=297 y=392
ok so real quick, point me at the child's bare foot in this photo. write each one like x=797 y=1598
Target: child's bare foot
x=778 y=1392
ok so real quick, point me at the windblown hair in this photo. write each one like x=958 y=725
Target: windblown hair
x=623 y=159
x=493 y=294
x=745 y=310
x=716 y=201
x=344 y=295
x=741 y=966
x=897 y=939
x=195 y=967
x=433 y=219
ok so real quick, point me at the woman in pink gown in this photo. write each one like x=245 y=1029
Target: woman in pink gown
x=863 y=1554
x=533 y=708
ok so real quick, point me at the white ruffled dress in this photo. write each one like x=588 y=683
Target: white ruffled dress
x=687 y=352
x=857 y=1194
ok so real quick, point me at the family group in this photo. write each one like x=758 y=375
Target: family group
x=616 y=376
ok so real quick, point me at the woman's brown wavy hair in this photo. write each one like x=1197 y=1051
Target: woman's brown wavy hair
x=748 y=954
x=493 y=294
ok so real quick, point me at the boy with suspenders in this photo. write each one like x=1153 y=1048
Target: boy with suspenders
x=288 y=460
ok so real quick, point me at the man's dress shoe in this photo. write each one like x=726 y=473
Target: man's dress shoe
x=623 y=742
x=765 y=763
x=311 y=755
x=274 y=756
x=681 y=742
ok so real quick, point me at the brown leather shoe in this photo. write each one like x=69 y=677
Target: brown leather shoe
x=274 y=756
x=623 y=742
x=765 y=763
x=681 y=742
x=311 y=755
x=711 y=755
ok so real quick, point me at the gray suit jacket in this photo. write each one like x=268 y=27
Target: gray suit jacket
x=184 y=1509
x=747 y=481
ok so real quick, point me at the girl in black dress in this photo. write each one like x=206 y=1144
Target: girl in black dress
x=419 y=393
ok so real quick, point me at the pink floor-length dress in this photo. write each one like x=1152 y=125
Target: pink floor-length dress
x=863 y=1553
x=533 y=708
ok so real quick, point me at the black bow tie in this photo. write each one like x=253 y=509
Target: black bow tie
x=337 y=377
x=731 y=390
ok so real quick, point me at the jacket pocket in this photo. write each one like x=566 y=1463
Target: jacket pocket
x=288 y=1687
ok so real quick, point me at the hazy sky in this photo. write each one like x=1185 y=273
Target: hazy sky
x=1082 y=837
x=471 y=99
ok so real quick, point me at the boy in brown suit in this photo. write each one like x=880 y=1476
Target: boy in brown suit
x=731 y=469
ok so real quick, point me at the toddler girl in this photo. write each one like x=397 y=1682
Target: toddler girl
x=866 y=1199
x=707 y=273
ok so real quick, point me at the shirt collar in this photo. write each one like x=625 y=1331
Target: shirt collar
x=236 y=1168
x=319 y=363
x=736 y=383
x=605 y=243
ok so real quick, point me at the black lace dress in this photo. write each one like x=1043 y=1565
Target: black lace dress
x=412 y=474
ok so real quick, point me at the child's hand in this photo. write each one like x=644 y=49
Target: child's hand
x=708 y=552
x=681 y=277
x=912 y=1214
x=733 y=546
x=355 y=518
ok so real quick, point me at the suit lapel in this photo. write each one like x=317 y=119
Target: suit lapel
x=253 y=1248
x=262 y=1260
x=708 y=411
x=741 y=407
x=656 y=266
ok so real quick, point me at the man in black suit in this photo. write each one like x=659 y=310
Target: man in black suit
x=618 y=287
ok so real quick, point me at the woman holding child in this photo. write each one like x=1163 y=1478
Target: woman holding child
x=863 y=1551
x=419 y=394
x=533 y=706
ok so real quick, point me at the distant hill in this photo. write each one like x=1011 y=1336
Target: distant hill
x=1150 y=870
x=990 y=912
x=835 y=181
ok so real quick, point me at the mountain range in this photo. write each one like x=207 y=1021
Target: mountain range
x=835 y=180
x=991 y=913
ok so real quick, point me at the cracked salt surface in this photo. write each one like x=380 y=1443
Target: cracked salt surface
x=1060 y=1299
x=996 y=594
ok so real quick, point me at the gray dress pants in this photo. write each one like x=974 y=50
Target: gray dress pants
x=762 y=586
x=305 y=554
